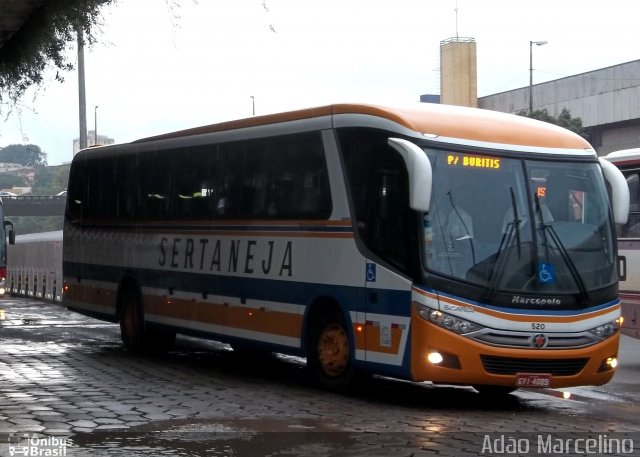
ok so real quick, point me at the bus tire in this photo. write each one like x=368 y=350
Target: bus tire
x=132 y=321
x=329 y=355
x=137 y=337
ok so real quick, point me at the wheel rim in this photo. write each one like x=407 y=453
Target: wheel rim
x=333 y=350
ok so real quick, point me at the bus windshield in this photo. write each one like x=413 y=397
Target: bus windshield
x=519 y=226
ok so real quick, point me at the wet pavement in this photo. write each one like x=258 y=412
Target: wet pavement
x=67 y=385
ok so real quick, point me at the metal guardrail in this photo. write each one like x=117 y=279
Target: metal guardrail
x=35 y=266
x=34 y=205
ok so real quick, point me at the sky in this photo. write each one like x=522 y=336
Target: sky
x=164 y=65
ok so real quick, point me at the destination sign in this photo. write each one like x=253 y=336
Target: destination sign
x=464 y=160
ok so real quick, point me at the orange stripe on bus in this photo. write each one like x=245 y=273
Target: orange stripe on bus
x=81 y=293
x=224 y=314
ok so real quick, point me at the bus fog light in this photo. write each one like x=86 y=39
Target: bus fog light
x=2 y=290
x=608 y=364
x=435 y=358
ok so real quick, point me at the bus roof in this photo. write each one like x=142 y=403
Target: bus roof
x=624 y=155
x=469 y=124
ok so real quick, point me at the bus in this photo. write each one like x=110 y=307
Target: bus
x=628 y=161
x=6 y=233
x=421 y=242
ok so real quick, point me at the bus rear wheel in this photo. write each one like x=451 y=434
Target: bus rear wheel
x=131 y=321
x=329 y=355
x=137 y=337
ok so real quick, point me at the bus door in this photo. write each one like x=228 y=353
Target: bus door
x=388 y=297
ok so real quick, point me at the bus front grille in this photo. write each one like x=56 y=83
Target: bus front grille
x=511 y=366
x=502 y=338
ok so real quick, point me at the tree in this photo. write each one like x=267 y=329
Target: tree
x=51 y=180
x=42 y=42
x=564 y=119
x=10 y=181
x=29 y=155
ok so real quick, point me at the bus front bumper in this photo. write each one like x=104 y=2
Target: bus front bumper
x=442 y=356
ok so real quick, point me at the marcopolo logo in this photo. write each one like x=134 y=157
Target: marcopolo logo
x=520 y=300
x=34 y=445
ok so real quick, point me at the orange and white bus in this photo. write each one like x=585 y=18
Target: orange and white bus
x=6 y=234
x=628 y=161
x=429 y=243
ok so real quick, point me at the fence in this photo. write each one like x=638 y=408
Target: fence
x=35 y=266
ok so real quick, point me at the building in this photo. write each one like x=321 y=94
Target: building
x=607 y=101
x=458 y=72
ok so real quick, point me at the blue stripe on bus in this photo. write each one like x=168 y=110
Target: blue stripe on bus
x=394 y=302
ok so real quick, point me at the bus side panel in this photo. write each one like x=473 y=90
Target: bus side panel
x=629 y=243
x=629 y=253
x=252 y=284
x=387 y=322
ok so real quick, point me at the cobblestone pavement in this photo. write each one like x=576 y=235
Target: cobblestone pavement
x=67 y=384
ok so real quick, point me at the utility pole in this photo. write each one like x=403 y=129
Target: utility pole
x=82 y=97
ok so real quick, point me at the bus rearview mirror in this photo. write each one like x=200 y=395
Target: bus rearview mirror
x=419 y=171
x=619 y=191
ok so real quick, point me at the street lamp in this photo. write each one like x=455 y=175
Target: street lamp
x=95 y=126
x=531 y=43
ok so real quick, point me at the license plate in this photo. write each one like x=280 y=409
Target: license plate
x=533 y=380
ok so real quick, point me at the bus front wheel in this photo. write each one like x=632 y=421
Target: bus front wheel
x=329 y=355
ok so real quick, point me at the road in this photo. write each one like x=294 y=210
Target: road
x=67 y=384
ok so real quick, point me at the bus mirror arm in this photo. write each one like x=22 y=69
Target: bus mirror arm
x=419 y=171
x=619 y=191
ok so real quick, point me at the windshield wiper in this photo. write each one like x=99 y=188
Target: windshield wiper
x=498 y=270
x=575 y=274
x=467 y=233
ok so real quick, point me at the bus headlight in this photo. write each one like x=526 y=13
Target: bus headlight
x=447 y=321
x=606 y=330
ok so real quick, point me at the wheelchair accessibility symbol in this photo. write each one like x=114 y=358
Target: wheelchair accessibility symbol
x=546 y=273
x=371 y=272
